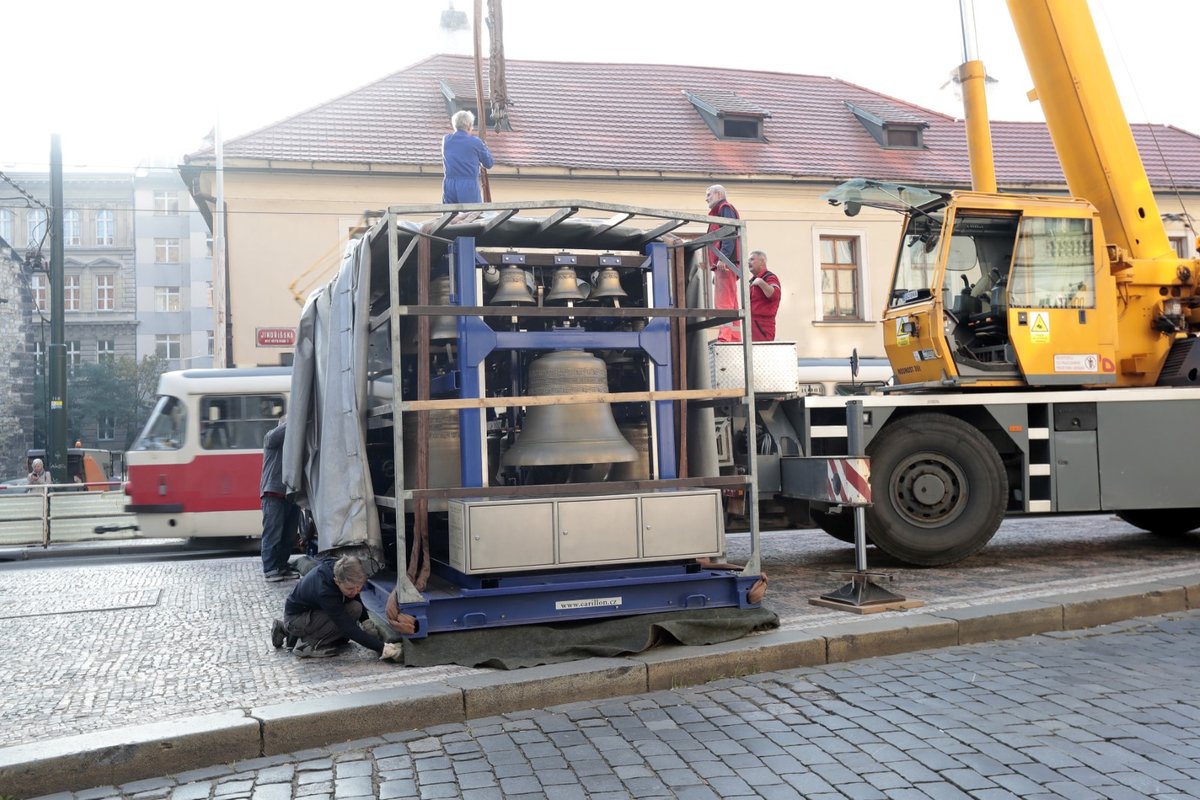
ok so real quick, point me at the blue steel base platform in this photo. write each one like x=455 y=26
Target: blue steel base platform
x=473 y=601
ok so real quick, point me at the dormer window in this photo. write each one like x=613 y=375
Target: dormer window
x=728 y=115
x=893 y=127
x=460 y=96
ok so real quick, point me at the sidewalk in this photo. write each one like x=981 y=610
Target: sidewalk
x=121 y=671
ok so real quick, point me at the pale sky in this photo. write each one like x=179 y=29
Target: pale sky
x=129 y=80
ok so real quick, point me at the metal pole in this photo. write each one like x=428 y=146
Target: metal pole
x=56 y=443
x=482 y=122
x=854 y=447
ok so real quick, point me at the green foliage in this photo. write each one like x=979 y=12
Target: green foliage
x=122 y=388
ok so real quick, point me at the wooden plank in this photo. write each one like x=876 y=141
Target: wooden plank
x=569 y=399
x=874 y=608
x=581 y=489
x=718 y=315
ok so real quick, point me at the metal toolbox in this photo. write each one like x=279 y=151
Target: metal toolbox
x=488 y=536
x=776 y=368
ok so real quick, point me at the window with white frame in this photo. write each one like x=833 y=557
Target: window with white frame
x=208 y=245
x=166 y=251
x=106 y=292
x=106 y=351
x=1180 y=245
x=166 y=298
x=6 y=225
x=40 y=284
x=841 y=278
x=71 y=293
x=105 y=227
x=39 y=357
x=212 y=343
x=35 y=226
x=74 y=355
x=166 y=345
x=71 y=228
x=166 y=204
x=106 y=425
x=209 y=294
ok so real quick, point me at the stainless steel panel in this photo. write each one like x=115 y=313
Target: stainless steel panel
x=682 y=525
x=596 y=531
x=509 y=536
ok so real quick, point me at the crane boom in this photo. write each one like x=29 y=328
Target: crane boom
x=1090 y=132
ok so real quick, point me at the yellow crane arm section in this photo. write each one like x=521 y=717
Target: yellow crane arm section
x=1089 y=129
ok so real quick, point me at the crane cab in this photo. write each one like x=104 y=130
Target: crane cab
x=995 y=290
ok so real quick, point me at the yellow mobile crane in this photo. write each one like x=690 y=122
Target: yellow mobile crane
x=1004 y=307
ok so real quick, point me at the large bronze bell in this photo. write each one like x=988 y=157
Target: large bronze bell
x=565 y=287
x=512 y=289
x=443 y=442
x=608 y=284
x=569 y=434
x=441 y=328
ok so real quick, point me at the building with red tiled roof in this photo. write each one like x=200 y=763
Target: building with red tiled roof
x=646 y=135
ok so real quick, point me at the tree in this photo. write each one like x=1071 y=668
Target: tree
x=121 y=390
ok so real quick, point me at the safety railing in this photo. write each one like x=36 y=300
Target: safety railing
x=71 y=512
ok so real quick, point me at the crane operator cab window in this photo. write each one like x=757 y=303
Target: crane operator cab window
x=975 y=288
x=1054 y=264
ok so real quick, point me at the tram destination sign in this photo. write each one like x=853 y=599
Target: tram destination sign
x=275 y=337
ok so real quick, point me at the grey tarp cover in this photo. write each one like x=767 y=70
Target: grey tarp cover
x=327 y=466
x=519 y=646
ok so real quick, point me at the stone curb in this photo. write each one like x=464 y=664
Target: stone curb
x=146 y=751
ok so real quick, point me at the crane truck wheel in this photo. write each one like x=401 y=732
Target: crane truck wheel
x=939 y=490
x=1163 y=521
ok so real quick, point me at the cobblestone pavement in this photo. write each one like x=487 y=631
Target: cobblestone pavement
x=1105 y=713
x=90 y=648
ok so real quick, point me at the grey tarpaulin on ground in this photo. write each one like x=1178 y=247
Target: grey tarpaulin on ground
x=328 y=465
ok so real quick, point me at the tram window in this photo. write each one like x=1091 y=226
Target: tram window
x=167 y=427
x=238 y=422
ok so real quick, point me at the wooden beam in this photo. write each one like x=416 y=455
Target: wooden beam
x=581 y=489
x=569 y=399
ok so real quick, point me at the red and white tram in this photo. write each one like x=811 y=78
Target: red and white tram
x=195 y=468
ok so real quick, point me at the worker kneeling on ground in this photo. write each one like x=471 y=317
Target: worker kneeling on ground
x=323 y=613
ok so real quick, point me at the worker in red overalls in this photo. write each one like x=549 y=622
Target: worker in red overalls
x=725 y=280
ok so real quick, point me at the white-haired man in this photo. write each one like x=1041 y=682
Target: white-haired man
x=462 y=155
x=725 y=280
x=40 y=475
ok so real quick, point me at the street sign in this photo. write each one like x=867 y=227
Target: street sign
x=275 y=337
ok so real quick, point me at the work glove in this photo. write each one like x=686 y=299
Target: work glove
x=391 y=652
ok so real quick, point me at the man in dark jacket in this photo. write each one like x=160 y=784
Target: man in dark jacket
x=279 y=515
x=324 y=612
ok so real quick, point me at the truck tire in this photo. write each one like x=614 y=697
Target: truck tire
x=1163 y=521
x=939 y=490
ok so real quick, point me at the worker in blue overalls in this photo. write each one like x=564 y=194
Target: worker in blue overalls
x=462 y=154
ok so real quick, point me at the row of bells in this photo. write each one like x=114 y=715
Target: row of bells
x=513 y=288
x=552 y=435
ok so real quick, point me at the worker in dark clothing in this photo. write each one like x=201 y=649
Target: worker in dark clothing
x=462 y=155
x=323 y=612
x=279 y=514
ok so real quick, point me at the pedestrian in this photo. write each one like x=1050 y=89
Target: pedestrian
x=279 y=515
x=725 y=279
x=462 y=155
x=323 y=613
x=39 y=476
x=764 y=298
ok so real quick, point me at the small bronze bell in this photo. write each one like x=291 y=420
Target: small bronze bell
x=441 y=328
x=565 y=287
x=608 y=284
x=512 y=289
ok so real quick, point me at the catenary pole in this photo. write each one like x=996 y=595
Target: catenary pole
x=56 y=442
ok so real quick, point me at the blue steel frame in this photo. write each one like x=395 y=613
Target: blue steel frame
x=536 y=598
x=476 y=340
x=555 y=596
